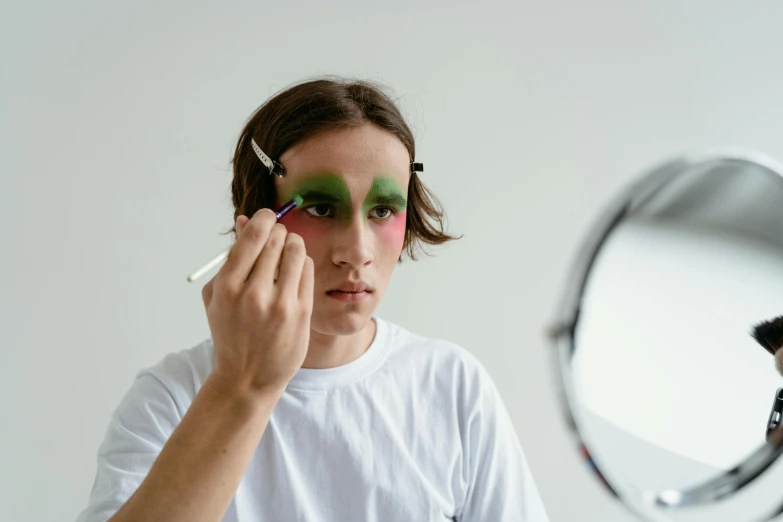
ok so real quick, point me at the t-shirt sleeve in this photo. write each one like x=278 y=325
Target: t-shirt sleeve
x=499 y=484
x=137 y=431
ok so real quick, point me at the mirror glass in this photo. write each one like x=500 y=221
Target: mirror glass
x=665 y=384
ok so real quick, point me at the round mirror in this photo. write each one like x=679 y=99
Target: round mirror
x=666 y=390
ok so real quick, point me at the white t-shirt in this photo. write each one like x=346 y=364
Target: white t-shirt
x=411 y=430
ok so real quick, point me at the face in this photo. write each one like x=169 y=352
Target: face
x=354 y=183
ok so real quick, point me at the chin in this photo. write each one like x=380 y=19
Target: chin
x=346 y=321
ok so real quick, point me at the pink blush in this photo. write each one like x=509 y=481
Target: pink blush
x=297 y=222
x=392 y=231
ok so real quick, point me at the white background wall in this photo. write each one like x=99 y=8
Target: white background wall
x=117 y=123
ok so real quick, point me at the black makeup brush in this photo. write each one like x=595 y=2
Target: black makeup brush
x=769 y=334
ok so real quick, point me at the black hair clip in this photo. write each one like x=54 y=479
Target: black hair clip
x=417 y=167
x=274 y=167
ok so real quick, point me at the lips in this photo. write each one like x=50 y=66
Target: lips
x=351 y=292
x=351 y=288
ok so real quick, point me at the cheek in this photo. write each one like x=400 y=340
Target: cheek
x=315 y=233
x=311 y=230
x=392 y=233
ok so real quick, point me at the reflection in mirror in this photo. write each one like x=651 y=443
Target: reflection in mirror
x=668 y=389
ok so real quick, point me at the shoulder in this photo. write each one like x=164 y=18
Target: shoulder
x=440 y=356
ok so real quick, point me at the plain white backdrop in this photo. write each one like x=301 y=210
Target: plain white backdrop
x=117 y=124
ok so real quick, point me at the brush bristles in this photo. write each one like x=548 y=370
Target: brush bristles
x=769 y=334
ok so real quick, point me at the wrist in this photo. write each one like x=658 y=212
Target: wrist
x=229 y=390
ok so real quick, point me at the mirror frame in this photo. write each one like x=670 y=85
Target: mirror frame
x=561 y=336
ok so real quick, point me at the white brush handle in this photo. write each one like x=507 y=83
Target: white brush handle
x=209 y=266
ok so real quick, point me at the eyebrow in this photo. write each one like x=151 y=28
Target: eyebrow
x=389 y=199
x=319 y=196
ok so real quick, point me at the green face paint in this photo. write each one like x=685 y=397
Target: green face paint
x=331 y=193
x=324 y=189
x=385 y=192
x=330 y=189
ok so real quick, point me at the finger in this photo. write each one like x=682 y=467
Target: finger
x=241 y=222
x=291 y=264
x=306 y=282
x=238 y=227
x=263 y=272
x=244 y=253
x=206 y=291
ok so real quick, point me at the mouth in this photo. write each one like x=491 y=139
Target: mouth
x=350 y=292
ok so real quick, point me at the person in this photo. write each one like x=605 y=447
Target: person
x=304 y=405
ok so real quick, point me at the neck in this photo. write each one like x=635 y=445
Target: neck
x=331 y=351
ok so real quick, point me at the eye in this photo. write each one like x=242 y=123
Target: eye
x=321 y=210
x=382 y=212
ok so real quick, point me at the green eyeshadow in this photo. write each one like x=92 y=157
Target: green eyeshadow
x=385 y=191
x=323 y=189
x=331 y=189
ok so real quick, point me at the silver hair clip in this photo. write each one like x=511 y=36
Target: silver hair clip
x=417 y=167
x=273 y=166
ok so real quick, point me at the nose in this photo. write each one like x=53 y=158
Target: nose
x=353 y=246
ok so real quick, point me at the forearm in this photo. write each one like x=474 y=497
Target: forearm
x=201 y=465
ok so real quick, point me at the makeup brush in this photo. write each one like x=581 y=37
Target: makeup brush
x=769 y=334
x=282 y=211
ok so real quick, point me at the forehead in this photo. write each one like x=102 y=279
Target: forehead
x=357 y=155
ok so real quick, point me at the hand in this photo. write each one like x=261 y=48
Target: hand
x=258 y=307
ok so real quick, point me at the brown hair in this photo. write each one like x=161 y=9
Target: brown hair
x=301 y=111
